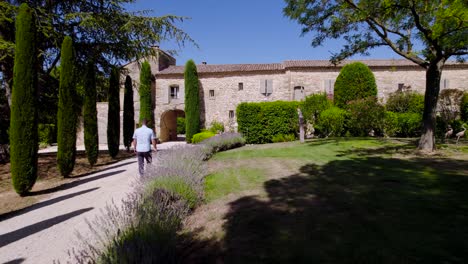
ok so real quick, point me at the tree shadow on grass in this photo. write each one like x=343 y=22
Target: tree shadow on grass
x=361 y=210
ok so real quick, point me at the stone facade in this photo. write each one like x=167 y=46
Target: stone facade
x=223 y=87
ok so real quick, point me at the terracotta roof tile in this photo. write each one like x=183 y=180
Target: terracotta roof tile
x=289 y=64
x=220 y=68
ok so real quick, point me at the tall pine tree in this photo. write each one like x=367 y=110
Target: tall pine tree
x=67 y=115
x=91 y=139
x=128 y=114
x=192 y=101
x=23 y=122
x=113 y=117
x=146 y=109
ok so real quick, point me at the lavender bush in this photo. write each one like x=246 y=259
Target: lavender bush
x=141 y=230
x=222 y=142
x=144 y=228
x=180 y=171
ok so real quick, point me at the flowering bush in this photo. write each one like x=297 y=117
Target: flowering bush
x=222 y=142
x=144 y=228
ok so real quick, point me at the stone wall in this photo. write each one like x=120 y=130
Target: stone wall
x=227 y=94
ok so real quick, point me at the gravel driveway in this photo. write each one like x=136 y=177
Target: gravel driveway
x=45 y=231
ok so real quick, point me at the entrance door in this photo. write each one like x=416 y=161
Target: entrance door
x=299 y=93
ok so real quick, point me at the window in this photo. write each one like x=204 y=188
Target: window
x=266 y=87
x=174 y=90
x=445 y=84
x=298 y=93
x=211 y=93
x=329 y=86
x=231 y=114
x=241 y=86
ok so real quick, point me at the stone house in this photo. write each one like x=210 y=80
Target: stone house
x=223 y=87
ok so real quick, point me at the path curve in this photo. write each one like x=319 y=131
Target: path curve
x=44 y=232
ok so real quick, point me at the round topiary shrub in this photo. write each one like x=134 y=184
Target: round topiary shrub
x=355 y=81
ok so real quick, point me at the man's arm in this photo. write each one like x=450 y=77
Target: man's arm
x=134 y=145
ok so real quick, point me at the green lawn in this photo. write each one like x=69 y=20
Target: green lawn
x=341 y=201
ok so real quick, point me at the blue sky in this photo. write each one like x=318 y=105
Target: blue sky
x=241 y=31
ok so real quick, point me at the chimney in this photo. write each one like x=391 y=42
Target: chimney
x=203 y=62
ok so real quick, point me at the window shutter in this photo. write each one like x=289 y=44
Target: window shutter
x=166 y=95
x=262 y=87
x=446 y=83
x=181 y=93
x=269 y=89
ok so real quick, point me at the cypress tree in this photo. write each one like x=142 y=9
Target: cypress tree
x=66 y=116
x=145 y=93
x=128 y=115
x=23 y=122
x=91 y=139
x=113 y=116
x=192 y=101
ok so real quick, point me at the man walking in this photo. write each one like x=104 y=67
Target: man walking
x=142 y=139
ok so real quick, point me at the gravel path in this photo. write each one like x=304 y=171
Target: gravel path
x=45 y=231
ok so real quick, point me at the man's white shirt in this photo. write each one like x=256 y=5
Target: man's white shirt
x=143 y=136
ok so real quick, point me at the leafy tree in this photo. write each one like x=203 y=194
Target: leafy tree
x=91 y=138
x=67 y=114
x=146 y=109
x=104 y=31
x=128 y=114
x=438 y=27
x=192 y=101
x=355 y=81
x=113 y=117
x=23 y=127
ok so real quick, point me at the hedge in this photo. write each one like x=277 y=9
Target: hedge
x=355 y=81
x=260 y=122
x=23 y=122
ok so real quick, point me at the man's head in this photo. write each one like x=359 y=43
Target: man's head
x=144 y=122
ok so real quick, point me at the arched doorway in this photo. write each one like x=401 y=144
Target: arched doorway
x=169 y=125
